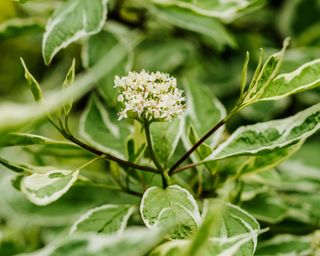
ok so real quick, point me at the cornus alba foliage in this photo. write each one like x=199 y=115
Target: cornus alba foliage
x=191 y=186
x=149 y=97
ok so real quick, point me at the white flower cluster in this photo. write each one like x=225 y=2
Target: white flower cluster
x=149 y=96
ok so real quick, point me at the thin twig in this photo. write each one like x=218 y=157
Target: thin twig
x=195 y=146
x=109 y=156
x=105 y=155
x=185 y=167
x=203 y=139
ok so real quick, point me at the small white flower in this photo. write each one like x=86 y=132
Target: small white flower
x=120 y=98
x=149 y=96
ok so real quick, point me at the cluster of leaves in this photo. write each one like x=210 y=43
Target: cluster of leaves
x=185 y=187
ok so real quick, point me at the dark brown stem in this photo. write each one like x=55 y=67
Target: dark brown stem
x=185 y=167
x=195 y=146
x=108 y=156
x=203 y=139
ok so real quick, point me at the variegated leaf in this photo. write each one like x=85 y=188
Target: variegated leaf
x=45 y=188
x=108 y=218
x=302 y=79
x=171 y=207
x=72 y=21
x=102 y=130
x=264 y=137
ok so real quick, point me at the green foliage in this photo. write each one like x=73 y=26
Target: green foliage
x=173 y=206
x=72 y=21
x=275 y=134
x=132 y=242
x=32 y=82
x=101 y=130
x=104 y=219
x=210 y=182
x=165 y=137
x=225 y=230
x=45 y=188
x=298 y=80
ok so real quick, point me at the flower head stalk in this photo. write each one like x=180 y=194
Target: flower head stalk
x=149 y=97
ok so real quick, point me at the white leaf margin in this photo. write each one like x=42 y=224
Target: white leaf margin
x=114 y=129
x=42 y=177
x=87 y=215
x=241 y=238
x=289 y=77
x=191 y=112
x=195 y=214
x=54 y=21
x=283 y=238
x=98 y=242
x=284 y=126
x=225 y=15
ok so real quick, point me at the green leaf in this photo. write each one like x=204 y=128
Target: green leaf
x=291 y=171
x=134 y=242
x=100 y=44
x=269 y=160
x=72 y=21
x=285 y=245
x=210 y=226
x=171 y=248
x=299 y=80
x=45 y=188
x=15 y=205
x=244 y=75
x=138 y=142
x=25 y=139
x=294 y=185
x=224 y=10
x=263 y=137
x=23 y=168
x=237 y=234
x=203 y=151
x=21 y=1
x=163 y=54
x=262 y=78
x=304 y=207
x=226 y=230
x=20 y=168
x=189 y=20
x=13 y=116
x=69 y=80
x=102 y=130
x=289 y=178
x=20 y=26
x=165 y=137
x=32 y=83
x=107 y=218
x=203 y=111
x=173 y=206
x=267 y=207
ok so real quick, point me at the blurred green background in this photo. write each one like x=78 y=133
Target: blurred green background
x=173 y=42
